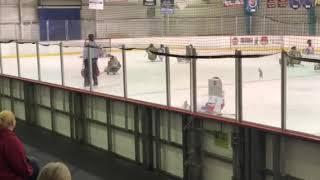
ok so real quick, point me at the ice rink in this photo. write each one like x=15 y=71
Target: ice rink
x=147 y=82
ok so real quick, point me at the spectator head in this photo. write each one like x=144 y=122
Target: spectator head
x=309 y=42
x=91 y=37
x=54 y=171
x=293 y=48
x=161 y=45
x=7 y=120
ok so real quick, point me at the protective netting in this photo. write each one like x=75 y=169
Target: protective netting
x=212 y=27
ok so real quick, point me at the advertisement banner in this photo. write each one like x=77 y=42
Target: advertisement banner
x=307 y=3
x=243 y=41
x=255 y=41
x=271 y=4
x=252 y=5
x=282 y=3
x=228 y=3
x=167 y=7
x=294 y=4
x=96 y=4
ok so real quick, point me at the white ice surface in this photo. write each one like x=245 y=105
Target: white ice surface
x=147 y=81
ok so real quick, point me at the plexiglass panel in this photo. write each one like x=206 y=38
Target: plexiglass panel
x=262 y=90
x=28 y=61
x=180 y=82
x=50 y=64
x=146 y=79
x=110 y=79
x=9 y=59
x=303 y=98
x=216 y=86
x=73 y=64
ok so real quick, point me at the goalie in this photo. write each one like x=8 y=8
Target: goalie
x=113 y=65
x=215 y=102
x=294 y=53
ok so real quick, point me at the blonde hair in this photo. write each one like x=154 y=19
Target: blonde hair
x=7 y=119
x=54 y=171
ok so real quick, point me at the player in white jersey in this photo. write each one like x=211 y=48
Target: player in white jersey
x=161 y=50
x=310 y=51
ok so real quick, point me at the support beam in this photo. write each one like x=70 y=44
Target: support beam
x=192 y=139
x=1 y=65
x=238 y=150
x=30 y=103
x=124 y=71
x=168 y=77
x=147 y=137
x=20 y=20
x=109 y=124
x=136 y=134
x=283 y=90
x=18 y=59
x=257 y=155
x=157 y=138
x=79 y=101
x=276 y=142
x=248 y=19
x=238 y=79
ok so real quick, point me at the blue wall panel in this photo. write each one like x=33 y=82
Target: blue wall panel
x=57 y=23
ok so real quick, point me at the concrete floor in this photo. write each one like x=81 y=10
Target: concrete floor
x=84 y=162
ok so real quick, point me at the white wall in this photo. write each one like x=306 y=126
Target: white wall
x=196 y=19
x=10 y=25
x=127 y=19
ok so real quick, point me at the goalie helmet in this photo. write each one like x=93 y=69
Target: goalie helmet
x=215 y=87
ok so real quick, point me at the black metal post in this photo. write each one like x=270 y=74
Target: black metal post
x=283 y=90
x=238 y=78
x=168 y=78
x=147 y=139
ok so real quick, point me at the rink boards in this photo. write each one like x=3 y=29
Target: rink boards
x=205 y=45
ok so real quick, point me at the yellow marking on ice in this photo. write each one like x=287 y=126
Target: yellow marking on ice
x=41 y=55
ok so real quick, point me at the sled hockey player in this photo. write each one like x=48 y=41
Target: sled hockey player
x=260 y=73
x=161 y=50
x=294 y=53
x=189 y=49
x=310 y=51
x=215 y=102
x=185 y=105
x=151 y=56
x=113 y=65
x=182 y=60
